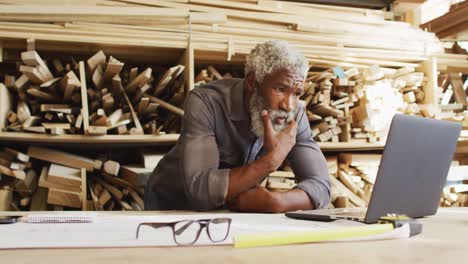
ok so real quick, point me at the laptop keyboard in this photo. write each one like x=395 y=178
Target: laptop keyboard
x=352 y=214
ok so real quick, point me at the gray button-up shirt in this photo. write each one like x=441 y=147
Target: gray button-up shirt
x=215 y=138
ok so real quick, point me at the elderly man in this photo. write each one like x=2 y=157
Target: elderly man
x=236 y=132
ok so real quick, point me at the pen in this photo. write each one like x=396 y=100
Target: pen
x=9 y=220
x=44 y=219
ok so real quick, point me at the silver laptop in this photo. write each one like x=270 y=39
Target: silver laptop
x=413 y=170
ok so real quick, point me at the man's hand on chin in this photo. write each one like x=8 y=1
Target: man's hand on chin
x=257 y=199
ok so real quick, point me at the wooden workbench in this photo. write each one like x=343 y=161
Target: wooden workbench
x=444 y=240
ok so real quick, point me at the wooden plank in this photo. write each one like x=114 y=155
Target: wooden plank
x=41 y=95
x=125 y=206
x=50 y=82
x=113 y=190
x=29 y=183
x=94 y=197
x=212 y=70
x=51 y=107
x=111 y=167
x=33 y=74
x=63 y=175
x=97 y=59
x=136 y=121
x=60 y=197
x=139 y=81
x=5 y=105
x=60 y=157
x=136 y=175
x=97 y=77
x=56 y=125
x=171 y=74
x=451 y=19
x=132 y=74
x=19 y=174
x=174 y=109
x=457 y=87
x=282 y=174
x=6 y=197
x=84 y=98
x=33 y=58
x=21 y=83
x=104 y=197
x=97 y=130
x=117 y=14
x=114 y=117
x=137 y=198
x=112 y=69
x=39 y=200
x=430 y=89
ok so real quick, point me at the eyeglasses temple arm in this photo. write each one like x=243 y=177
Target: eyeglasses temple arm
x=153 y=225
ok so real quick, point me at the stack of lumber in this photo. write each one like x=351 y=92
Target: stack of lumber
x=450 y=23
x=342 y=36
x=44 y=178
x=106 y=98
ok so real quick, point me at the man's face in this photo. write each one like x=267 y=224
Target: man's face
x=279 y=94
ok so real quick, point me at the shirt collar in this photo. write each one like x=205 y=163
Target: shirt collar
x=237 y=110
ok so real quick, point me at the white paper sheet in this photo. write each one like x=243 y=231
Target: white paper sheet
x=114 y=230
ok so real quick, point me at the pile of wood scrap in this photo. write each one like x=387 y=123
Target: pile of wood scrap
x=353 y=182
x=345 y=105
x=44 y=178
x=104 y=96
x=455 y=192
x=455 y=195
x=352 y=176
x=211 y=73
x=453 y=87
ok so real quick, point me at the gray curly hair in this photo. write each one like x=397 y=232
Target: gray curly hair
x=274 y=55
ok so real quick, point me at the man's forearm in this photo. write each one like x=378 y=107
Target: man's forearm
x=259 y=199
x=293 y=200
x=246 y=177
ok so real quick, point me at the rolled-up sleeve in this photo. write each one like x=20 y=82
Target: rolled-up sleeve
x=309 y=165
x=204 y=184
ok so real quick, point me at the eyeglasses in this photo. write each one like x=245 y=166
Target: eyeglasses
x=186 y=232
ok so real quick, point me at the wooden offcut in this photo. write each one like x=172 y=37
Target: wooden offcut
x=60 y=157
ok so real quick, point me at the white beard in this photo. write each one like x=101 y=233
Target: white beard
x=257 y=105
